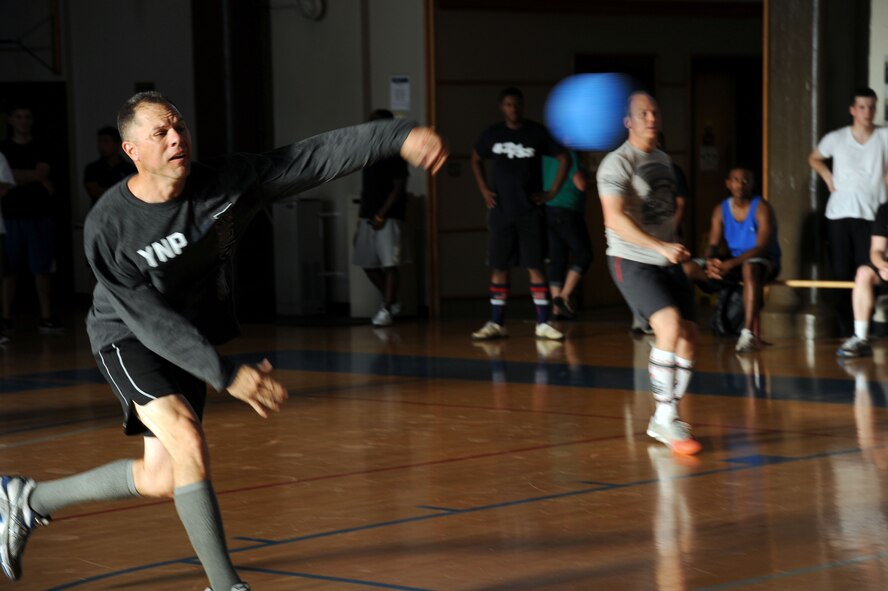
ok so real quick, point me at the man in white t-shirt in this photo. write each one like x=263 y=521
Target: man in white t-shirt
x=856 y=184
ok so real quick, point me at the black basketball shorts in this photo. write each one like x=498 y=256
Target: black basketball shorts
x=137 y=375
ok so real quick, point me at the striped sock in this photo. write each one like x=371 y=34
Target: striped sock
x=683 y=371
x=661 y=366
x=540 y=293
x=499 y=294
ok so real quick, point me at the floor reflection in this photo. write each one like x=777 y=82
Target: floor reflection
x=673 y=526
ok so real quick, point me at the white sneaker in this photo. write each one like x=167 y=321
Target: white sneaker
x=382 y=318
x=855 y=347
x=238 y=587
x=746 y=343
x=544 y=330
x=17 y=520
x=676 y=434
x=491 y=330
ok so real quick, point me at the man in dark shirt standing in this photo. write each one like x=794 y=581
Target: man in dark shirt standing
x=516 y=216
x=111 y=167
x=378 y=237
x=161 y=245
x=29 y=211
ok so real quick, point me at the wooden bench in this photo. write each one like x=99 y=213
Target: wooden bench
x=818 y=283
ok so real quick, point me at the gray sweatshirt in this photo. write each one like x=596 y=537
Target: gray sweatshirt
x=164 y=270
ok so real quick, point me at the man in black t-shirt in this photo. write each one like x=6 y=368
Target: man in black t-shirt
x=378 y=237
x=516 y=216
x=28 y=209
x=111 y=167
x=870 y=278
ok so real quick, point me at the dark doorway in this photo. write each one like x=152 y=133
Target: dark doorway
x=726 y=130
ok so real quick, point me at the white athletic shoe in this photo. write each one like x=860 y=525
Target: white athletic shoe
x=544 y=330
x=676 y=434
x=855 y=347
x=491 y=330
x=238 y=587
x=382 y=318
x=17 y=520
x=746 y=343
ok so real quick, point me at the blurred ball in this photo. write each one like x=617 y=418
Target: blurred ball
x=585 y=111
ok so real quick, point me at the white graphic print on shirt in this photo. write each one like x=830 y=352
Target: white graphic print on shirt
x=513 y=150
x=166 y=249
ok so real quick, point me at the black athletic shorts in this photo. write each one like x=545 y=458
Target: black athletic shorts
x=648 y=289
x=520 y=241
x=138 y=375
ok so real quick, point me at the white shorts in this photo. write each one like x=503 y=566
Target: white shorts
x=376 y=249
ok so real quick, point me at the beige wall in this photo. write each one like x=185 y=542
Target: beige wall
x=879 y=54
x=479 y=52
x=330 y=73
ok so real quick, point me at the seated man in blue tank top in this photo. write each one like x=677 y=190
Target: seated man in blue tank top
x=750 y=231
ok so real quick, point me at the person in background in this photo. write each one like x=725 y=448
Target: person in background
x=29 y=212
x=379 y=236
x=111 y=167
x=570 y=249
x=516 y=216
x=749 y=227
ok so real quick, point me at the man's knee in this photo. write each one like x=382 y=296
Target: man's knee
x=666 y=321
x=866 y=276
x=178 y=430
x=753 y=272
x=154 y=478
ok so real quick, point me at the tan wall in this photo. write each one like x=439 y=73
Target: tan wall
x=479 y=52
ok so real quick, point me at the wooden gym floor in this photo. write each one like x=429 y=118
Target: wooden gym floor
x=408 y=458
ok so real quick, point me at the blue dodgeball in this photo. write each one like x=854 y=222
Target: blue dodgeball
x=585 y=111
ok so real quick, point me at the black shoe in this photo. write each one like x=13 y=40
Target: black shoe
x=564 y=309
x=50 y=325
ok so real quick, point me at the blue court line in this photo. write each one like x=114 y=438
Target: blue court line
x=254 y=540
x=749 y=464
x=432 y=508
x=327 y=578
x=808 y=389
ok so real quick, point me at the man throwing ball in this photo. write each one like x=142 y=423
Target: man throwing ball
x=160 y=243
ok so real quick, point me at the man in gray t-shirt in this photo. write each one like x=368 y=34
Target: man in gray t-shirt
x=637 y=188
x=160 y=243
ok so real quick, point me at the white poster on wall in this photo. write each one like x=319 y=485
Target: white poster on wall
x=399 y=93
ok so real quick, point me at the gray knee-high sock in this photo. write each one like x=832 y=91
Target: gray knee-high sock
x=110 y=482
x=199 y=512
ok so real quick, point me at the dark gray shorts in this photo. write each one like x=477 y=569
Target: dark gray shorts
x=648 y=289
x=138 y=375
